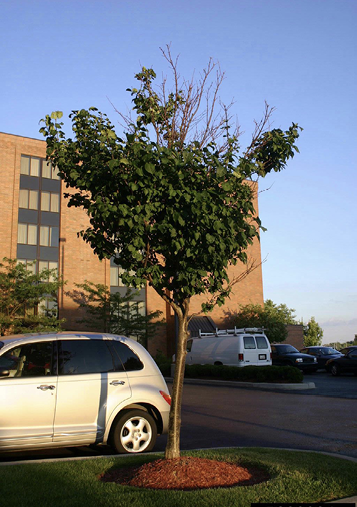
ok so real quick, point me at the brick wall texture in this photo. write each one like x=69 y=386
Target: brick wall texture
x=78 y=263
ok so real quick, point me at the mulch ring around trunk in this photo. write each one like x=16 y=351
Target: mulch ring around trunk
x=186 y=473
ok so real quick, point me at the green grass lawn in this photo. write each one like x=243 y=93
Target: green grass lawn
x=295 y=477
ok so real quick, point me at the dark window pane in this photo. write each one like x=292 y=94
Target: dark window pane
x=84 y=356
x=249 y=342
x=128 y=358
x=261 y=342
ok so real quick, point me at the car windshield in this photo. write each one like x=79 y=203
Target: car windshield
x=347 y=350
x=287 y=349
x=328 y=351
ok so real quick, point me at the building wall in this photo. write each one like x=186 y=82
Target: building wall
x=295 y=336
x=77 y=262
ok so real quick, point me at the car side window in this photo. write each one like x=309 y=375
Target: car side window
x=128 y=358
x=78 y=357
x=249 y=342
x=29 y=360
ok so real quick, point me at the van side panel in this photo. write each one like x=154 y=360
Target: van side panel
x=225 y=350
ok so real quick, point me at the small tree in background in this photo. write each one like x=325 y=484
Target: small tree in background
x=313 y=333
x=28 y=300
x=113 y=313
x=273 y=318
x=172 y=201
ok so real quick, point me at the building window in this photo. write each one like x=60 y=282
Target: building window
x=50 y=202
x=48 y=171
x=29 y=264
x=48 y=307
x=115 y=276
x=30 y=166
x=48 y=265
x=49 y=236
x=27 y=234
x=28 y=199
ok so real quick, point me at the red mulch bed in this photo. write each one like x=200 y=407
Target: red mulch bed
x=186 y=473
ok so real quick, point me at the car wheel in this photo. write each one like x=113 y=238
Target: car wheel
x=335 y=370
x=135 y=431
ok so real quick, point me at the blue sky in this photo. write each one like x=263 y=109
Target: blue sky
x=298 y=55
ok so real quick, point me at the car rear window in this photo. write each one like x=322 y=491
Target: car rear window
x=128 y=358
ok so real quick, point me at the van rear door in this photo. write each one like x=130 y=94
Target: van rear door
x=249 y=351
x=263 y=349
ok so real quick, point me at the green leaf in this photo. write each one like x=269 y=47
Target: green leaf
x=56 y=115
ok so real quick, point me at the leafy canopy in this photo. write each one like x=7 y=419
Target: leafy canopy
x=174 y=213
x=113 y=312
x=313 y=333
x=274 y=318
x=22 y=293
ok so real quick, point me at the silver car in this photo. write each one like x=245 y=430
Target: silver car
x=74 y=388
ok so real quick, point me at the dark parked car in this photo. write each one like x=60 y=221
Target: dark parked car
x=287 y=355
x=344 y=364
x=348 y=349
x=322 y=354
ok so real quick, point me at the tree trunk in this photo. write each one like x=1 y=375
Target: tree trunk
x=173 y=441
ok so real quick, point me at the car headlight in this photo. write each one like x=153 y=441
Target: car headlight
x=315 y=360
x=298 y=360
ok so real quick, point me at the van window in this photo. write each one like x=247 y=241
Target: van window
x=189 y=345
x=249 y=342
x=261 y=342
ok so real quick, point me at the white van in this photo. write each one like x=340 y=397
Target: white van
x=232 y=347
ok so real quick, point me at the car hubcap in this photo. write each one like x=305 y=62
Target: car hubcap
x=136 y=434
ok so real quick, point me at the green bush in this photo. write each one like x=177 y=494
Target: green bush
x=246 y=374
x=164 y=364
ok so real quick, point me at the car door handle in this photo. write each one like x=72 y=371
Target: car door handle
x=46 y=388
x=117 y=383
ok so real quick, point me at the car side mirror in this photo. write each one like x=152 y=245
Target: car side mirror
x=4 y=373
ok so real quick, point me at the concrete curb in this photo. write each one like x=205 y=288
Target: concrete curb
x=255 y=385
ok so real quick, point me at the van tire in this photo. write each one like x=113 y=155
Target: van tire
x=217 y=363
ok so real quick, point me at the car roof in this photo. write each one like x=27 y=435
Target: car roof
x=61 y=335
x=318 y=347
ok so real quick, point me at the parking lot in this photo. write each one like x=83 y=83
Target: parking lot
x=344 y=386
x=321 y=419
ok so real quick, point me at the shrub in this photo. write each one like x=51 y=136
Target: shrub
x=247 y=373
x=164 y=363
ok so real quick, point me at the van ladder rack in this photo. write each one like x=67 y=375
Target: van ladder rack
x=235 y=331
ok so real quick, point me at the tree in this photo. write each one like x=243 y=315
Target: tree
x=23 y=295
x=273 y=318
x=172 y=200
x=313 y=333
x=114 y=313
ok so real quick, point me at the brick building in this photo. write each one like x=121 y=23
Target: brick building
x=36 y=224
